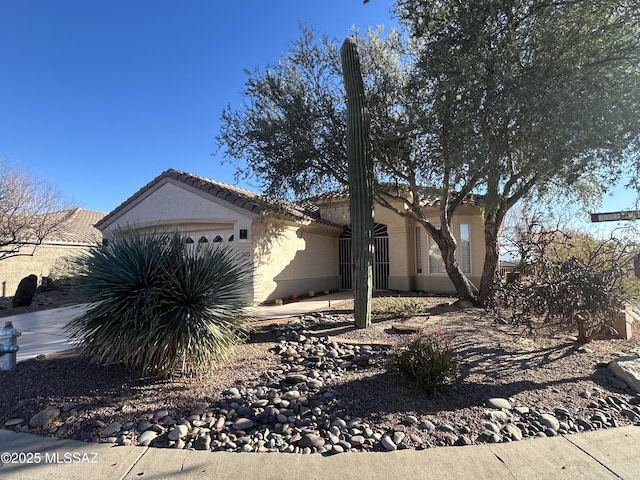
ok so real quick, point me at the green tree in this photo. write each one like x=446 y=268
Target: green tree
x=504 y=98
x=531 y=93
x=293 y=128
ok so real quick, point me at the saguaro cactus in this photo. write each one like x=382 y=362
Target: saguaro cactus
x=360 y=182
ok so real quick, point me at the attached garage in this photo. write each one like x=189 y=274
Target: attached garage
x=287 y=246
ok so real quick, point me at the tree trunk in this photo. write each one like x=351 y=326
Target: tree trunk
x=447 y=244
x=491 y=259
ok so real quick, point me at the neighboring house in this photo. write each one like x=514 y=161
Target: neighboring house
x=507 y=267
x=295 y=248
x=74 y=236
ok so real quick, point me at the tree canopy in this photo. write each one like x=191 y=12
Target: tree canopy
x=498 y=97
x=531 y=93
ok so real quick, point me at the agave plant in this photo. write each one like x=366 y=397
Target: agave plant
x=161 y=306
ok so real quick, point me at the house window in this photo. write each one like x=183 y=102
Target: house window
x=436 y=264
x=203 y=239
x=465 y=248
x=218 y=239
x=418 y=250
x=244 y=234
x=189 y=240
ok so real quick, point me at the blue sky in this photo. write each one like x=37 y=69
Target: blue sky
x=98 y=98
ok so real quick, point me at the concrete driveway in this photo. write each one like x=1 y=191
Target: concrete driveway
x=43 y=332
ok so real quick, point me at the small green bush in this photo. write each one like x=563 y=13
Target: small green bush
x=397 y=307
x=25 y=291
x=426 y=361
x=161 y=306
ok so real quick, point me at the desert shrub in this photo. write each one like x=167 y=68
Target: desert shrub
x=160 y=306
x=426 y=361
x=397 y=307
x=25 y=291
x=570 y=281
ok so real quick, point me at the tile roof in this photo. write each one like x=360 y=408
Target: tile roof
x=250 y=201
x=430 y=195
x=77 y=227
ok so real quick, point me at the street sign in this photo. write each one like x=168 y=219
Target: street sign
x=615 y=216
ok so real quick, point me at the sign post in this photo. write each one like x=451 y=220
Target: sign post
x=615 y=216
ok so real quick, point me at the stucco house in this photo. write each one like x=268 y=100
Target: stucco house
x=74 y=236
x=295 y=248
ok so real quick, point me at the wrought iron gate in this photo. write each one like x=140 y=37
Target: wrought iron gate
x=380 y=258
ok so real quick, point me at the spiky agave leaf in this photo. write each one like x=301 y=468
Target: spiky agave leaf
x=120 y=278
x=202 y=303
x=159 y=304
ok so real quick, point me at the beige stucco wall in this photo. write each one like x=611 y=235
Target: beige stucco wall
x=402 y=252
x=288 y=258
x=439 y=282
x=293 y=259
x=14 y=269
x=174 y=203
x=174 y=206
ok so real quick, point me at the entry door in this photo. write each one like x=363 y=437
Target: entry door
x=380 y=258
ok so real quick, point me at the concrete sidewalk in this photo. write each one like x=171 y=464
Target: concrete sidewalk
x=604 y=454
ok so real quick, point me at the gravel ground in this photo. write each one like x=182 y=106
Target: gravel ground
x=545 y=373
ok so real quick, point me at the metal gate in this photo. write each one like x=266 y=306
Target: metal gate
x=380 y=258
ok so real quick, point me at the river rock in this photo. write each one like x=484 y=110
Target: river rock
x=357 y=440
x=178 y=432
x=513 y=431
x=146 y=437
x=111 y=429
x=311 y=440
x=499 y=403
x=627 y=369
x=243 y=424
x=388 y=444
x=203 y=442
x=549 y=421
x=295 y=378
x=44 y=417
x=13 y=422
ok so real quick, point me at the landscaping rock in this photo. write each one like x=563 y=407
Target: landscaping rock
x=311 y=440
x=145 y=438
x=180 y=431
x=388 y=444
x=44 y=417
x=243 y=424
x=14 y=421
x=549 y=421
x=627 y=369
x=111 y=429
x=499 y=403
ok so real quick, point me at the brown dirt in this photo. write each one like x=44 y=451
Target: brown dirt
x=495 y=360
